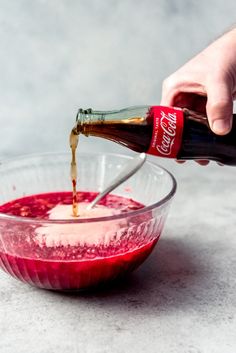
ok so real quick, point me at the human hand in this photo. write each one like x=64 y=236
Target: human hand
x=207 y=83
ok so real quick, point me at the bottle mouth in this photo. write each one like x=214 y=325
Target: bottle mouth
x=82 y=116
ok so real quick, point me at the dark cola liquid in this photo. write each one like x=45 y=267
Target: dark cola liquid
x=136 y=135
x=198 y=141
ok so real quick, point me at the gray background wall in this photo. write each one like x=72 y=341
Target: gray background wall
x=59 y=55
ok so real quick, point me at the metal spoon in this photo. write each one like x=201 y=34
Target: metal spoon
x=132 y=167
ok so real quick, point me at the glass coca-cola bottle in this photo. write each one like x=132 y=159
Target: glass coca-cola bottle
x=162 y=131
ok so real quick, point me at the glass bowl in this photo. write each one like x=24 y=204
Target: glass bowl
x=120 y=242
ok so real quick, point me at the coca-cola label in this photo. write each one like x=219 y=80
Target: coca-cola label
x=167 y=131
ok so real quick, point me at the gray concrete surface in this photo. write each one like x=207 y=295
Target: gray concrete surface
x=60 y=55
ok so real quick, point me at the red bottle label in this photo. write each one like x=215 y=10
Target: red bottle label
x=167 y=131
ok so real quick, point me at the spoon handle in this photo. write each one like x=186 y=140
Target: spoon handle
x=131 y=168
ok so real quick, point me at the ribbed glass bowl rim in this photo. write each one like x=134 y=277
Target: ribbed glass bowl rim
x=143 y=210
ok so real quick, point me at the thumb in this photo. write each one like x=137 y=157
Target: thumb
x=219 y=107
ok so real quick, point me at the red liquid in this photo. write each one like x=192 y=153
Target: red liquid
x=65 y=266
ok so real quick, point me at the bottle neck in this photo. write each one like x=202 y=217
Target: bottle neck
x=88 y=119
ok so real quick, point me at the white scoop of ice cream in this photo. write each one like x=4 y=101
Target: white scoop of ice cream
x=78 y=233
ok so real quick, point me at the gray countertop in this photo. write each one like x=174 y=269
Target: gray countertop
x=182 y=299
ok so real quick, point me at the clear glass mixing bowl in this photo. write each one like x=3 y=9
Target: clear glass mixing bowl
x=120 y=242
